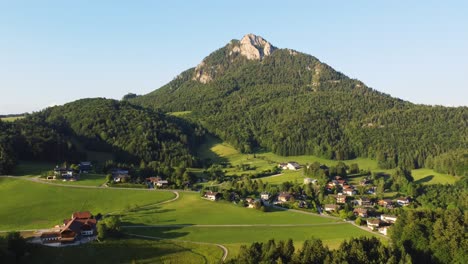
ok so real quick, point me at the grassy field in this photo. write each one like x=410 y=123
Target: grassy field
x=85 y=180
x=11 y=119
x=29 y=205
x=428 y=176
x=128 y=250
x=192 y=209
x=181 y=113
x=221 y=152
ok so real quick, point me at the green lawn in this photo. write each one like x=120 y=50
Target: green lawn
x=292 y=176
x=128 y=250
x=428 y=176
x=181 y=113
x=192 y=209
x=29 y=205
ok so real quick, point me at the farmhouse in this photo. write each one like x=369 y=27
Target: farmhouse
x=364 y=201
x=81 y=224
x=292 y=165
x=388 y=218
x=360 y=212
x=284 y=197
x=331 y=207
x=64 y=172
x=386 y=203
x=340 y=198
x=85 y=166
x=403 y=201
x=349 y=191
x=213 y=196
x=157 y=182
x=265 y=196
x=373 y=223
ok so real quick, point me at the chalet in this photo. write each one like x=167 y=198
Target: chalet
x=309 y=180
x=85 y=166
x=340 y=198
x=81 y=224
x=373 y=223
x=265 y=196
x=388 y=218
x=349 y=191
x=213 y=196
x=292 y=165
x=360 y=212
x=364 y=201
x=64 y=172
x=331 y=207
x=403 y=201
x=386 y=203
x=284 y=197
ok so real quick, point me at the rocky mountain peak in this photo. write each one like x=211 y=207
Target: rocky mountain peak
x=251 y=46
x=254 y=47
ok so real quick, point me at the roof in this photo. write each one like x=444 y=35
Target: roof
x=153 y=179
x=50 y=234
x=331 y=206
x=360 y=210
x=82 y=215
x=211 y=193
x=284 y=194
x=374 y=221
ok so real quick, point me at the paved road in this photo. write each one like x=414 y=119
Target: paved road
x=225 y=250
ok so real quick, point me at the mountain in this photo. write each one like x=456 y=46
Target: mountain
x=68 y=132
x=257 y=96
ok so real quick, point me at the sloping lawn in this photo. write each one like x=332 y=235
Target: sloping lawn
x=29 y=205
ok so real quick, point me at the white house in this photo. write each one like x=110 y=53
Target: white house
x=309 y=180
x=265 y=196
x=403 y=201
x=292 y=165
x=388 y=218
x=213 y=196
x=384 y=230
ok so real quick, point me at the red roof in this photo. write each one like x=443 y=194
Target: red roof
x=82 y=215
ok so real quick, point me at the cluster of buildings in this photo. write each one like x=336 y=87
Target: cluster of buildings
x=80 y=225
x=69 y=174
x=291 y=165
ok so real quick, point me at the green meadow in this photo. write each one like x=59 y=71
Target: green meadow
x=30 y=205
x=11 y=118
x=128 y=250
x=219 y=151
x=190 y=208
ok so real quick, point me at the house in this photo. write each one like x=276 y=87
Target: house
x=373 y=223
x=253 y=203
x=292 y=165
x=403 y=201
x=119 y=172
x=162 y=183
x=388 y=218
x=384 y=230
x=386 y=203
x=360 y=212
x=331 y=207
x=284 y=197
x=265 y=196
x=340 y=198
x=364 y=201
x=213 y=196
x=309 y=180
x=63 y=172
x=349 y=191
x=85 y=166
x=121 y=178
x=81 y=224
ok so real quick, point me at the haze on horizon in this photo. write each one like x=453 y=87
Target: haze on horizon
x=54 y=52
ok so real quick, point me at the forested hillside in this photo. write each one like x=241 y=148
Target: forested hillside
x=132 y=133
x=293 y=104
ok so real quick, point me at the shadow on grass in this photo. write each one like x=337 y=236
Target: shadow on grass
x=425 y=179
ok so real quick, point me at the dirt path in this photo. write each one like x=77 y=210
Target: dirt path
x=235 y=225
x=223 y=248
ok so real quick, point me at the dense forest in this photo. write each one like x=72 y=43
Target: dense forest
x=65 y=133
x=293 y=104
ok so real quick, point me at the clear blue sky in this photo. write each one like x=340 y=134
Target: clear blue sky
x=53 y=52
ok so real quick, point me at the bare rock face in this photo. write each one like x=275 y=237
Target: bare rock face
x=250 y=46
x=255 y=47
